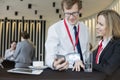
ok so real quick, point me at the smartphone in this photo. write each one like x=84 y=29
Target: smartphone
x=60 y=56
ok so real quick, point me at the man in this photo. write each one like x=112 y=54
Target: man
x=25 y=52
x=62 y=39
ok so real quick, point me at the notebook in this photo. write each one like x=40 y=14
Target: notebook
x=25 y=71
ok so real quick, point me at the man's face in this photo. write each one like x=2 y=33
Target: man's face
x=72 y=15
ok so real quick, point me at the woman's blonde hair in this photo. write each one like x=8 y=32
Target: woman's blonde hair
x=112 y=22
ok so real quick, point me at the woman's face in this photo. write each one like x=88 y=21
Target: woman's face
x=101 y=26
x=13 y=45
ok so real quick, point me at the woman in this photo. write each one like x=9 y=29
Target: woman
x=9 y=52
x=25 y=52
x=106 y=58
x=8 y=60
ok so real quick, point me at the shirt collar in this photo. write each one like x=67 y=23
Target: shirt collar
x=105 y=41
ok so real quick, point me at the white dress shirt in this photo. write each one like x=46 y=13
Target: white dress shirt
x=58 y=41
x=9 y=54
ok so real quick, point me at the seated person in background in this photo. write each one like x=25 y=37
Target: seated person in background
x=8 y=60
x=25 y=52
x=9 y=52
x=106 y=58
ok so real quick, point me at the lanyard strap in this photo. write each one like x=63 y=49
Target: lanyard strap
x=77 y=36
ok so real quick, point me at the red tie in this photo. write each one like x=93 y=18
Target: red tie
x=99 y=52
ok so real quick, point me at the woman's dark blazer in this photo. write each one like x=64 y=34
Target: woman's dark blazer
x=109 y=59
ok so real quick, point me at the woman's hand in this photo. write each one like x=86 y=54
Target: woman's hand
x=78 y=64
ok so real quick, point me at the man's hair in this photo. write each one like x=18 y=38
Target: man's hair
x=25 y=35
x=69 y=3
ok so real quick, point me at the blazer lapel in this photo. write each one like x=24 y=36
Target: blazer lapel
x=106 y=49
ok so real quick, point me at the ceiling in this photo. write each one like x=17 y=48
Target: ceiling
x=45 y=8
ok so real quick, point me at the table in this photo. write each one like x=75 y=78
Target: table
x=49 y=74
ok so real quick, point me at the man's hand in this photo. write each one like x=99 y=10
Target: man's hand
x=78 y=64
x=60 y=64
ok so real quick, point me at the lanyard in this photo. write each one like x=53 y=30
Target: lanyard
x=77 y=36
